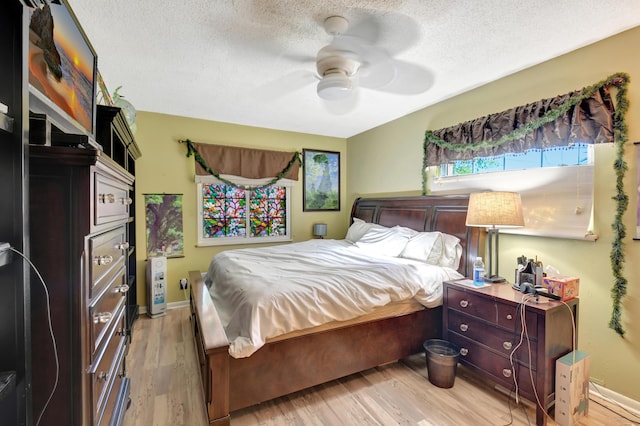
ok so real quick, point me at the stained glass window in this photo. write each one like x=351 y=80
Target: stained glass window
x=233 y=215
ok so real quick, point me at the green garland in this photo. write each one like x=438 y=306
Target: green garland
x=191 y=150
x=620 y=81
x=619 y=289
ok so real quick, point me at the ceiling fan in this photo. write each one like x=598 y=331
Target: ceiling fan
x=351 y=61
x=357 y=57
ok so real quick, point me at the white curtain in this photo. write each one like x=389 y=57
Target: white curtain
x=556 y=201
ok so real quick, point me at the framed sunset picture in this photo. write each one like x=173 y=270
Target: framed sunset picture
x=321 y=180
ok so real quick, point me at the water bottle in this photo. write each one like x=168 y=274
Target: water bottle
x=478 y=272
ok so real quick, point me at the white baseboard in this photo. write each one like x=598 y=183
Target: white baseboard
x=616 y=398
x=172 y=305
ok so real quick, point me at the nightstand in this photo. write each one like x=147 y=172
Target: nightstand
x=486 y=324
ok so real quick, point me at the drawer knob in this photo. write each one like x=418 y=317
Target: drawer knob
x=464 y=303
x=102 y=317
x=506 y=372
x=122 y=288
x=509 y=317
x=464 y=351
x=103 y=260
x=126 y=201
x=464 y=327
x=122 y=246
x=507 y=345
x=102 y=377
x=107 y=198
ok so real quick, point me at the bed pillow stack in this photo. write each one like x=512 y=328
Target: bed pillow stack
x=384 y=241
x=435 y=248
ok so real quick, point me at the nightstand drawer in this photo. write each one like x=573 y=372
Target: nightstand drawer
x=509 y=318
x=495 y=338
x=471 y=304
x=497 y=367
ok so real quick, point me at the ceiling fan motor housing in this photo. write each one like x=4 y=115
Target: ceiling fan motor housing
x=336 y=69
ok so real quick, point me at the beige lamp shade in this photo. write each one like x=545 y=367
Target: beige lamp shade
x=495 y=209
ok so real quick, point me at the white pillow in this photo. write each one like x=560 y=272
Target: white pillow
x=383 y=241
x=358 y=228
x=426 y=247
x=452 y=251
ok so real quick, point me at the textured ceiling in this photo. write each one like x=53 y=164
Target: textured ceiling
x=251 y=62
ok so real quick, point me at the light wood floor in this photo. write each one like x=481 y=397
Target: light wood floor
x=165 y=391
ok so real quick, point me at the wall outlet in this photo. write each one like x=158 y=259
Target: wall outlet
x=184 y=284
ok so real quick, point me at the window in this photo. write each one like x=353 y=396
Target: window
x=556 y=186
x=577 y=154
x=231 y=215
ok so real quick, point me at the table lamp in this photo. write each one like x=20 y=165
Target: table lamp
x=320 y=230
x=494 y=210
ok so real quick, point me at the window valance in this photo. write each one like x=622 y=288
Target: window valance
x=581 y=116
x=217 y=160
x=246 y=162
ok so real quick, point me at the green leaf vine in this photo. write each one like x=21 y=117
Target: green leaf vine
x=191 y=150
x=620 y=81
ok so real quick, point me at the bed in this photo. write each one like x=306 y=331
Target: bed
x=298 y=360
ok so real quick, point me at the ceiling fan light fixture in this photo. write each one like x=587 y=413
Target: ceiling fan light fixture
x=334 y=87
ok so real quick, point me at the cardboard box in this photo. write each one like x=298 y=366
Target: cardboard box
x=572 y=388
x=566 y=288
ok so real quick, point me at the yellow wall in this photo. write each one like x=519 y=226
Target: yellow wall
x=164 y=168
x=388 y=159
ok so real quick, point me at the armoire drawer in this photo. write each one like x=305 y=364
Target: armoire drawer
x=111 y=199
x=106 y=256
x=105 y=313
x=105 y=372
x=494 y=337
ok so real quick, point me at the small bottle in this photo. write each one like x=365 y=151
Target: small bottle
x=478 y=272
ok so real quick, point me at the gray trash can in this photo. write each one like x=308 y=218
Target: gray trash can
x=442 y=362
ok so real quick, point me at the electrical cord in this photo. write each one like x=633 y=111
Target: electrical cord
x=53 y=338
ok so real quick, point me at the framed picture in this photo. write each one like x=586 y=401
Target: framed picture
x=321 y=180
x=164 y=225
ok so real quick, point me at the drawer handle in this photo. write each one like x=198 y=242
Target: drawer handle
x=122 y=288
x=103 y=260
x=464 y=327
x=107 y=198
x=103 y=377
x=126 y=201
x=507 y=345
x=464 y=351
x=509 y=317
x=464 y=303
x=506 y=372
x=102 y=317
x=122 y=246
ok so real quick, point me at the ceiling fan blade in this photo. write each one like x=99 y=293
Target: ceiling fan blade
x=285 y=84
x=408 y=79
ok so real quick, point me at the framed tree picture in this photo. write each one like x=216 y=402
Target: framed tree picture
x=321 y=180
x=164 y=225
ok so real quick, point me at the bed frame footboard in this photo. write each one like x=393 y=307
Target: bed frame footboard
x=286 y=366
x=212 y=351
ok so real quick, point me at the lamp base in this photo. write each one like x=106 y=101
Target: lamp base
x=494 y=279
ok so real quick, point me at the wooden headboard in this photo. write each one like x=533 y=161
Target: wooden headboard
x=445 y=213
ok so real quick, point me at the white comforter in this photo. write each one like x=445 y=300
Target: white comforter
x=265 y=292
